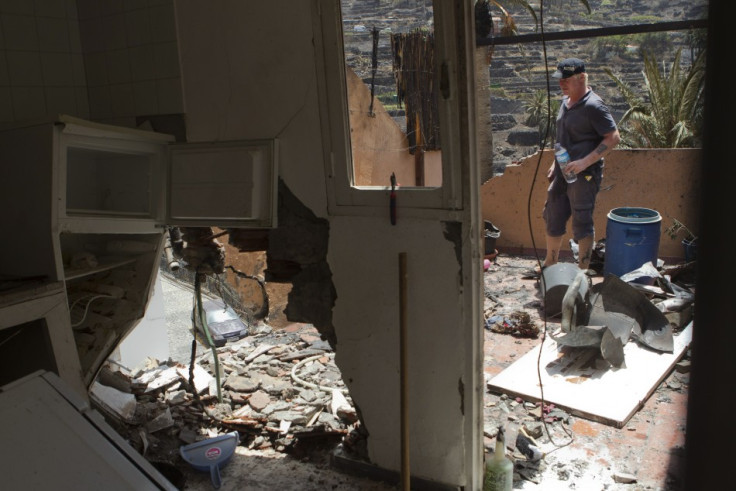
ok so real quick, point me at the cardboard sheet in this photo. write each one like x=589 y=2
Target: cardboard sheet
x=581 y=382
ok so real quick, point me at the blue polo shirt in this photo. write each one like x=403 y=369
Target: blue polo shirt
x=580 y=128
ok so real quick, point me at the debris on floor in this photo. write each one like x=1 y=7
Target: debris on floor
x=580 y=450
x=517 y=324
x=281 y=390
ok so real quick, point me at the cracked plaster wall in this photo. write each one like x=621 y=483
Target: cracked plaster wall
x=366 y=316
x=248 y=71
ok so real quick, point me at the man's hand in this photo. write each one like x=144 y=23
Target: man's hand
x=576 y=166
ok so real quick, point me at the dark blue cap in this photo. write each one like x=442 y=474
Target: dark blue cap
x=569 y=67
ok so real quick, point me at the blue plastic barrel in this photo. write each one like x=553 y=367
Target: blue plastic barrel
x=632 y=239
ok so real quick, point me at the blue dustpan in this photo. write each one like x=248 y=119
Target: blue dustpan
x=211 y=454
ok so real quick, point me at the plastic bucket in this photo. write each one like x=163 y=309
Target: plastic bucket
x=491 y=233
x=632 y=239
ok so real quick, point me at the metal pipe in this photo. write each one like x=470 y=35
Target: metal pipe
x=403 y=369
x=679 y=25
x=171 y=261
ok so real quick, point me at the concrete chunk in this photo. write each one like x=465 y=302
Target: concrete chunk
x=119 y=403
x=160 y=422
x=201 y=377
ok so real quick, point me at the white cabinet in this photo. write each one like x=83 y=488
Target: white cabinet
x=86 y=204
x=142 y=177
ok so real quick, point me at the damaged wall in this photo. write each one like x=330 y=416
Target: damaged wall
x=666 y=180
x=239 y=67
x=297 y=254
x=367 y=321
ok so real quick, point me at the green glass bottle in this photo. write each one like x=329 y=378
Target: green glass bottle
x=499 y=474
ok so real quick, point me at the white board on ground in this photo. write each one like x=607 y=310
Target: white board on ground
x=581 y=382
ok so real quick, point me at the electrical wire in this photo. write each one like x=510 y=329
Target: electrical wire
x=73 y=314
x=531 y=232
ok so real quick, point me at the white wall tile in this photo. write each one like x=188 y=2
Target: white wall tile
x=123 y=102
x=53 y=34
x=24 y=68
x=6 y=105
x=142 y=65
x=114 y=32
x=28 y=103
x=19 y=32
x=100 y=104
x=166 y=59
x=4 y=76
x=16 y=7
x=111 y=7
x=82 y=100
x=129 y=5
x=169 y=94
x=95 y=66
x=88 y=9
x=91 y=32
x=145 y=97
x=163 y=23
x=79 y=76
x=138 y=27
x=118 y=66
x=75 y=40
x=57 y=69
x=60 y=100
x=71 y=9
x=50 y=8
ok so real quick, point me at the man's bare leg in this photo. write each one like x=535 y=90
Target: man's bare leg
x=585 y=251
x=553 y=250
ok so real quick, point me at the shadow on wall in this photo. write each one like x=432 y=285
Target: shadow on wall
x=665 y=180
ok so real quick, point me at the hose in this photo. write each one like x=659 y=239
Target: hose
x=310 y=384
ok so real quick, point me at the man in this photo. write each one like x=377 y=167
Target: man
x=587 y=130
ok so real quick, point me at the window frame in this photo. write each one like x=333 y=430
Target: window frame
x=343 y=196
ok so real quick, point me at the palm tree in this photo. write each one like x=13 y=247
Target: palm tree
x=536 y=106
x=672 y=113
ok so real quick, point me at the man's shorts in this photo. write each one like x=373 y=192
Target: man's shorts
x=575 y=199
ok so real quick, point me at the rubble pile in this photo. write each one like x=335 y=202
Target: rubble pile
x=551 y=447
x=279 y=388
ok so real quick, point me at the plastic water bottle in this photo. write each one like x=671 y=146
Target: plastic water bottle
x=563 y=158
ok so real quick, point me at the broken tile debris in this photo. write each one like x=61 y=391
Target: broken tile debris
x=274 y=395
x=286 y=398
